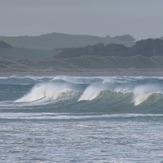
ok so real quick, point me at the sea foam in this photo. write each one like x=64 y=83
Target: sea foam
x=46 y=91
x=143 y=92
x=91 y=92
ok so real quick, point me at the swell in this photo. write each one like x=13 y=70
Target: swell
x=107 y=102
x=68 y=100
x=88 y=95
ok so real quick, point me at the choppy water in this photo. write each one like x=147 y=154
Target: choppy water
x=81 y=119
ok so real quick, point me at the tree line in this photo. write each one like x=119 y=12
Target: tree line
x=148 y=47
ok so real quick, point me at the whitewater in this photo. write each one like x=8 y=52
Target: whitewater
x=81 y=119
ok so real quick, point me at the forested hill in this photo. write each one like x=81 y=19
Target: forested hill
x=148 y=47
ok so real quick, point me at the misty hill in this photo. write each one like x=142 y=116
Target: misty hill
x=10 y=52
x=126 y=37
x=5 y=45
x=95 y=50
x=26 y=53
x=59 y=40
x=148 y=47
x=145 y=57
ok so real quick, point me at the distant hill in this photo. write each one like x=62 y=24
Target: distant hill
x=126 y=37
x=26 y=53
x=5 y=45
x=144 y=57
x=10 y=52
x=59 y=40
x=148 y=48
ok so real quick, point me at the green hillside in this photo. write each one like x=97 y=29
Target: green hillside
x=58 y=40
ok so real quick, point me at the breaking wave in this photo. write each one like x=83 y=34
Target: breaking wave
x=61 y=88
x=143 y=93
x=90 y=94
x=46 y=92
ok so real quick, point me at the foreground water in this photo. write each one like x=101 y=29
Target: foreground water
x=81 y=119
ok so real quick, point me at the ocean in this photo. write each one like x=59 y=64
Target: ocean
x=48 y=119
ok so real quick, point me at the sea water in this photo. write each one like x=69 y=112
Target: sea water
x=81 y=119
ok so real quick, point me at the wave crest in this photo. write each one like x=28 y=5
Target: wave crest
x=143 y=92
x=129 y=91
x=92 y=92
x=46 y=91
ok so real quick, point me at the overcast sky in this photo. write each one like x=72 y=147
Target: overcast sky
x=140 y=18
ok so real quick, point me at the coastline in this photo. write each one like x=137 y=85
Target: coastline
x=83 y=72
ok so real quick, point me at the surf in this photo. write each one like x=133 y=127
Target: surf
x=84 y=94
x=46 y=92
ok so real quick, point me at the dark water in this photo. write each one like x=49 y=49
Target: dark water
x=81 y=119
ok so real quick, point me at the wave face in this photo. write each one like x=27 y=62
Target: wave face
x=117 y=94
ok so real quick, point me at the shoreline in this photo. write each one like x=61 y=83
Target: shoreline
x=85 y=72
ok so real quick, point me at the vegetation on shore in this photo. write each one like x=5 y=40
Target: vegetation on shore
x=147 y=48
